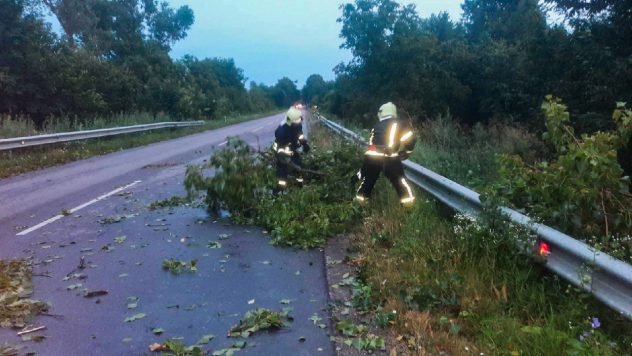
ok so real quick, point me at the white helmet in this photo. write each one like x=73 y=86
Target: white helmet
x=387 y=111
x=294 y=116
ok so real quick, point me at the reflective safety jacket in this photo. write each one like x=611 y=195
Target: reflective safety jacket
x=391 y=138
x=289 y=138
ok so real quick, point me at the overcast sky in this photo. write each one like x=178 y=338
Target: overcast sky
x=270 y=39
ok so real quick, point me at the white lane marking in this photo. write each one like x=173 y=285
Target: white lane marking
x=73 y=210
x=257 y=129
x=223 y=143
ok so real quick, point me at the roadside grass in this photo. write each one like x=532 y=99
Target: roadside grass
x=18 y=126
x=11 y=126
x=462 y=286
x=28 y=159
x=468 y=155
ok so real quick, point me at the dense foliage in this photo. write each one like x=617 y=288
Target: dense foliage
x=582 y=190
x=498 y=61
x=114 y=57
x=303 y=217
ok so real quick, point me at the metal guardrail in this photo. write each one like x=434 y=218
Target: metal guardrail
x=608 y=279
x=28 y=141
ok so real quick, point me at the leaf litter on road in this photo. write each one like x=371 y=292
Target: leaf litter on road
x=214 y=244
x=157 y=331
x=177 y=267
x=134 y=317
x=260 y=319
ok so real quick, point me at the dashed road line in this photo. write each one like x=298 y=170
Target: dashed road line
x=73 y=210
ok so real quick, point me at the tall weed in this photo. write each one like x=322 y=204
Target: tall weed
x=16 y=126
x=467 y=155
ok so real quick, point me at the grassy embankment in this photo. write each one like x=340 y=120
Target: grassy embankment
x=461 y=286
x=28 y=159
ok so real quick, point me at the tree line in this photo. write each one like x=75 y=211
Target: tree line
x=498 y=61
x=113 y=57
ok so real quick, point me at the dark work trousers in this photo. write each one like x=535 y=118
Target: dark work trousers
x=393 y=170
x=283 y=169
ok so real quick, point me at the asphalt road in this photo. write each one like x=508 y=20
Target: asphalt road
x=123 y=245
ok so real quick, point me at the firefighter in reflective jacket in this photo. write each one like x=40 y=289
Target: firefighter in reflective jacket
x=288 y=139
x=392 y=141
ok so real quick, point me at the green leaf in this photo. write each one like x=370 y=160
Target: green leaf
x=157 y=331
x=134 y=317
x=315 y=318
x=214 y=244
x=205 y=339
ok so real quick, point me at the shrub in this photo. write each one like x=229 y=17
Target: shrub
x=582 y=190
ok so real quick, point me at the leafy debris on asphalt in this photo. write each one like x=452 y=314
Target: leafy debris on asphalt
x=116 y=219
x=260 y=319
x=157 y=331
x=214 y=244
x=177 y=267
x=169 y=202
x=134 y=317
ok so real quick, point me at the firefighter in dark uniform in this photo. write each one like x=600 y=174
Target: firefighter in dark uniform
x=288 y=139
x=392 y=141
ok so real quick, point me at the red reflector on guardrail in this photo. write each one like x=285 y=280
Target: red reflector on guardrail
x=544 y=249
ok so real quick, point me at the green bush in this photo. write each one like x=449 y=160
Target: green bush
x=582 y=191
x=301 y=217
